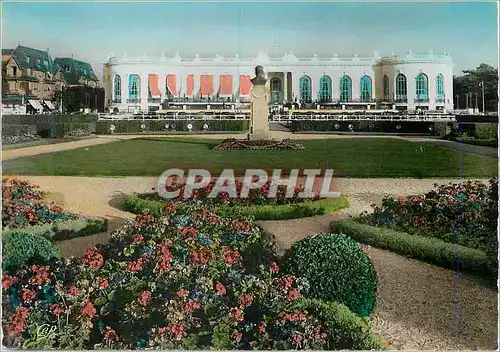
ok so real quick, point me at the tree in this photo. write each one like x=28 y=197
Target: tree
x=470 y=81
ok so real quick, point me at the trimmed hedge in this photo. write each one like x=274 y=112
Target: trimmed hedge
x=21 y=249
x=432 y=128
x=486 y=131
x=336 y=269
x=134 y=126
x=428 y=249
x=138 y=205
x=349 y=331
x=64 y=230
x=59 y=130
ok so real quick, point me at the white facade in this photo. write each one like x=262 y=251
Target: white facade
x=286 y=73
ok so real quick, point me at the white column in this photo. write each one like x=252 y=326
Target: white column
x=124 y=87
x=162 y=85
x=144 y=93
x=285 y=86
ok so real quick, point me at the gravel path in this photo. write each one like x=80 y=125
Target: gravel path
x=416 y=302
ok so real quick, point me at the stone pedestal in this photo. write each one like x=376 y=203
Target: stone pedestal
x=259 y=113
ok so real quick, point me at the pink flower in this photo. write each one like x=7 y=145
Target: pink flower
x=73 y=291
x=296 y=339
x=143 y=299
x=237 y=315
x=110 y=334
x=182 y=293
x=18 y=321
x=103 y=284
x=274 y=268
x=237 y=336
x=262 y=327
x=88 y=310
x=93 y=258
x=137 y=238
x=221 y=290
x=27 y=295
x=56 y=309
x=7 y=281
x=245 y=300
x=293 y=294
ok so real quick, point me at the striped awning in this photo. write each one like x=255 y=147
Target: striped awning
x=36 y=104
x=206 y=85
x=245 y=85
x=189 y=85
x=49 y=104
x=154 y=91
x=226 y=85
x=171 y=85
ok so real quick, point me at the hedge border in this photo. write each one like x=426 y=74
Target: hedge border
x=428 y=249
x=137 y=205
x=65 y=230
x=134 y=126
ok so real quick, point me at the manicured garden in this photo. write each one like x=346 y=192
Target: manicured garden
x=454 y=226
x=191 y=279
x=360 y=157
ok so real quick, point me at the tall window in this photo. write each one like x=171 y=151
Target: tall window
x=422 y=84
x=133 y=90
x=440 y=87
x=401 y=88
x=118 y=89
x=345 y=88
x=305 y=89
x=325 y=89
x=366 y=88
x=386 y=88
x=276 y=91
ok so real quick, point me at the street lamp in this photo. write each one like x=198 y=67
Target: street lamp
x=481 y=84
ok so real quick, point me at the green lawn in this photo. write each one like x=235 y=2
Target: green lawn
x=360 y=157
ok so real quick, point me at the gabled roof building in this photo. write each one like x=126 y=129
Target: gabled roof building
x=77 y=73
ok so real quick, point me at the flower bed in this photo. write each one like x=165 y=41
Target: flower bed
x=238 y=144
x=465 y=213
x=24 y=209
x=175 y=282
x=20 y=138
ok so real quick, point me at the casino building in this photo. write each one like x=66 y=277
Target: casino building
x=407 y=82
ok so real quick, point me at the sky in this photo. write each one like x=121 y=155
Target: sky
x=93 y=30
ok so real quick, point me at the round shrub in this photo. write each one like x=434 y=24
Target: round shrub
x=337 y=270
x=21 y=249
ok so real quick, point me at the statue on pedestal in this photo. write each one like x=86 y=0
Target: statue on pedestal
x=260 y=77
x=259 y=108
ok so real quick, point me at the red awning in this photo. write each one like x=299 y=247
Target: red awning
x=190 y=85
x=226 y=85
x=206 y=85
x=245 y=85
x=171 y=86
x=154 y=91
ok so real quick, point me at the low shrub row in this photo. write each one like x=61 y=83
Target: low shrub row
x=51 y=119
x=64 y=230
x=428 y=249
x=138 y=205
x=431 y=128
x=172 y=126
x=64 y=129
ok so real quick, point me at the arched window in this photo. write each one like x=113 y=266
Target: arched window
x=276 y=91
x=118 y=89
x=386 y=88
x=366 y=88
x=134 y=83
x=305 y=89
x=440 y=88
x=422 y=85
x=325 y=89
x=345 y=88
x=401 y=88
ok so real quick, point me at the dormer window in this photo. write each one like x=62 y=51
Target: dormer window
x=28 y=59
x=85 y=72
x=38 y=62
x=46 y=63
x=68 y=69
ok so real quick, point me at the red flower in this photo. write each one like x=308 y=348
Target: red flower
x=137 y=265
x=231 y=257
x=296 y=339
x=110 y=334
x=42 y=275
x=164 y=257
x=191 y=306
x=188 y=232
x=88 y=310
x=221 y=290
x=401 y=200
x=182 y=293
x=294 y=294
x=318 y=335
x=245 y=300
x=169 y=209
x=213 y=219
x=103 y=284
x=93 y=258
x=274 y=268
x=73 y=291
x=262 y=327
x=200 y=258
x=237 y=314
x=143 y=299
x=56 y=309
x=8 y=281
x=18 y=321
x=237 y=336
x=137 y=238
x=143 y=221
x=176 y=330
x=27 y=295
